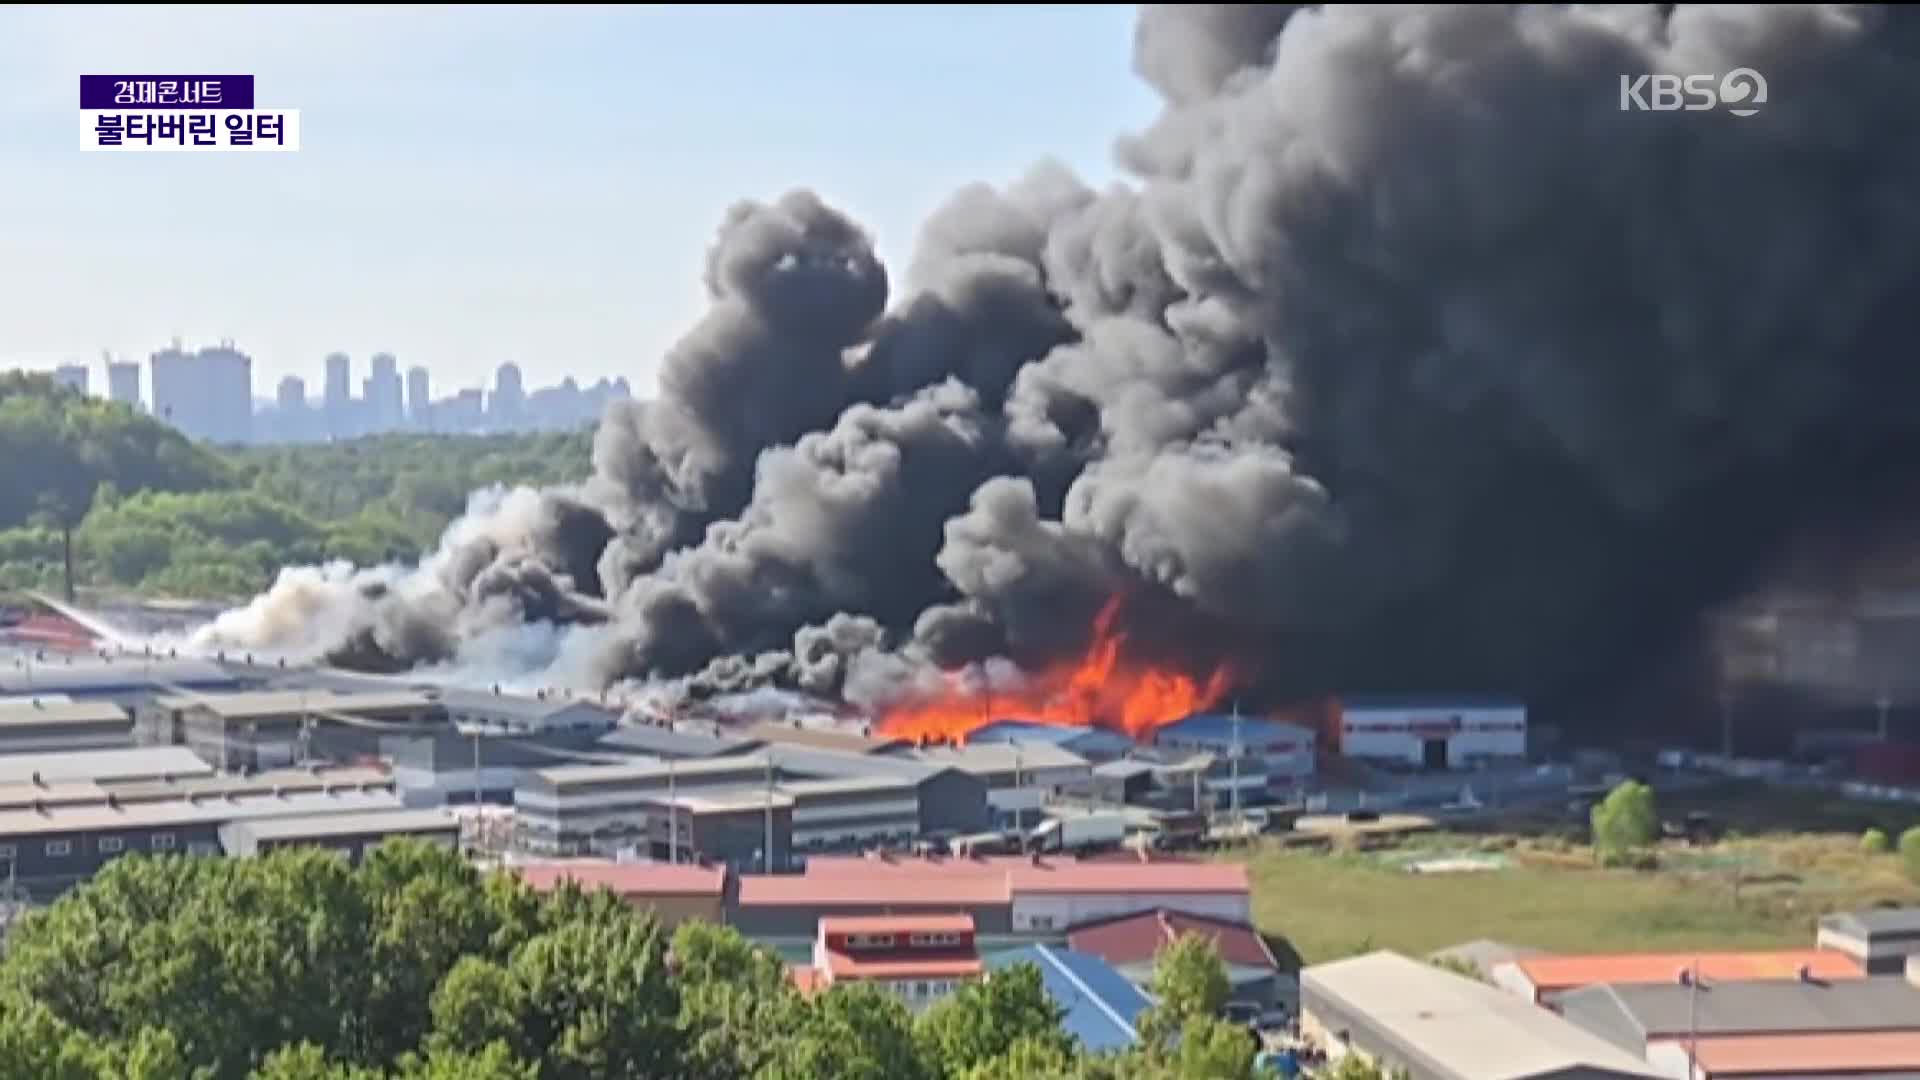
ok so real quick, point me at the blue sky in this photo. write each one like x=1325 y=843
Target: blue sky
x=490 y=184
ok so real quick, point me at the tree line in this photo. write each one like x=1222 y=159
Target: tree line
x=415 y=965
x=100 y=495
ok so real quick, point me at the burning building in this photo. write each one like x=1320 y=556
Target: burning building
x=1405 y=359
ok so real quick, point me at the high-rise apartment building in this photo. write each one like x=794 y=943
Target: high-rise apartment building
x=123 y=383
x=509 y=398
x=292 y=395
x=383 y=394
x=419 y=399
x=71 y=376
x=227 y=376
x=339 y=396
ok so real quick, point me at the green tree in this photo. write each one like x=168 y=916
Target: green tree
x=983 y=1020
x=1213 y=1049
x=736 y=1002
x=1910 y=852
x=1625 y=821
x=1189 y=982
x=1875 y=842
x=851 y=1032
x=1358 y=1067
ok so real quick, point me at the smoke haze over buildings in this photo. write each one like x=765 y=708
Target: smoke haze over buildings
x=1406 y=359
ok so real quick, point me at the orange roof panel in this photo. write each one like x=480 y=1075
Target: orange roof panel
x=1777 y=1055
x=1552 y=974
x=1147 y=878
x=904 y=964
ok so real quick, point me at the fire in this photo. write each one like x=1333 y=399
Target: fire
x=1101 y=688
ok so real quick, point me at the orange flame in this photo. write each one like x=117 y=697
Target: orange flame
x=1100 y=689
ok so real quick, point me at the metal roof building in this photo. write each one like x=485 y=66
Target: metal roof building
x=1632 y=1017
x=1442 y=1026
x=1092 y=743
x=140 y=763
x=1101 y=1007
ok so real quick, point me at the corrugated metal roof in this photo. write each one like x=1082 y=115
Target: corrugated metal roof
x=1749 y=1008
x=1152 y=879
x=97 y=677
x=295 y=703
x=817 y=738
x=367 y=823
x=1457 y=1028
x=28 y=714
x=1064 y=735
x=998 y=757
x=1552 y=974
x=805 y=762
x=639 y=770
x=846 y=785
x=1780 y=1055
x=1424 y=702
x=1137 y=939
x=151 y=815
x=1218 y=727
x=667 y=743
x=628 y=879
x=103 y=765
x=1101 y=1007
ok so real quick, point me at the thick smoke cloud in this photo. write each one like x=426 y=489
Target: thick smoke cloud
x=1404 y=359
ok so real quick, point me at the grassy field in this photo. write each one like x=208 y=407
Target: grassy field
x=1754 y=891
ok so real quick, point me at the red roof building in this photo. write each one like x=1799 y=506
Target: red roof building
x=674 y=893
x=1890 y=1054
x=922 y=958
x=1130 y=943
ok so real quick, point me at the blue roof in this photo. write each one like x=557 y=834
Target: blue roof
x=1430 y=701
x=1219 y=726
x=1012 y=731
x=1102 y=1007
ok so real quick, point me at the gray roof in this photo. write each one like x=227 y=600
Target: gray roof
x=1453 y=1028
x=1886 y=1003
x=847 y=785
x=667 y=743
x=284 y=781
x=28 y=714
x=998 y=757
x=140 y=763
x=178 y=812
x=532 y=709
x=642 y=769
x=97 y=676
x=367 y=823
x=1863 y=924
x=295 y=703
x=799 y=761
x=1123 y=769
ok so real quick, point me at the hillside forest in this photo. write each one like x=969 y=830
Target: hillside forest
x=136 y=506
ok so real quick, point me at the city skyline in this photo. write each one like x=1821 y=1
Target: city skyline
x=212 y=392
x=406 y=223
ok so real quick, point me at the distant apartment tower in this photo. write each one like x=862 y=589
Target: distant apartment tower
x=174 y=383
x=509 y=397
x=419 y=399
x=123 y=383
x=383 y=393
x=71 y=376
x=227 y=374
x=292 y=395
x=339 y=395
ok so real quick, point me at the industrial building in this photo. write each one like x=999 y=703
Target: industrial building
x=126 y=680
x=1436 y=1025
x=952 y=801
x=1092 y=743
x=921 y=959
x=1099 y=1006
x=600 y=809
x=653 y=740
x=1283 y=752
x=1881 y=941
x=1054 y=896
x=139 y=763
x=674 y=893
x=36 y=726
x=518 y=714
x=1020 y=777
x=274 y=729
x=1433 y=733
x=54 y=842
x=352 y=835
x=1544 y=979
x=1810 y=1027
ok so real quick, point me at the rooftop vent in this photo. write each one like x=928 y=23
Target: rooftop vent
x=113 y=801
x=37 y=781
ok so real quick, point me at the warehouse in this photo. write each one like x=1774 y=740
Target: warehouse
x=139 y=763
x=352 y=835
x=1020 y=777
x=1544 y=979
x=1092 y=743
x=732 y=826
x=1433 y=733
x=951 y=802
x=127 y=681
x=1052 y=896
x=50 y=847
x=49 y=727
x=265 y=729
x=840 y=813
x=517 y=714
x=599 y=809
x=437 y=767
x=1437 y=1025
x=656 y=741
x=1283 y=751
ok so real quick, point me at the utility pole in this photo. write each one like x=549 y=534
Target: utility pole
x=1233 y=766
x=1885 y=704
x=1693 y=1019
x=673 y=819
x=767 y=862
x=475 y=729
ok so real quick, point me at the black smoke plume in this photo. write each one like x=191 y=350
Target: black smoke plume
x=1405 y=358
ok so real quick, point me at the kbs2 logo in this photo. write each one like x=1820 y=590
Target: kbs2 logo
x=1741 y=92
